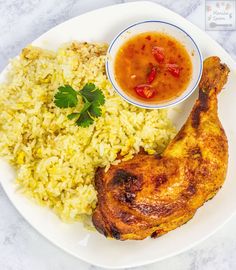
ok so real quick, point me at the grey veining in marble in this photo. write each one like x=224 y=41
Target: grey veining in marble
x=21 y=247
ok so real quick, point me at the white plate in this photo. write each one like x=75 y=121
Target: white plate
x=103 y=25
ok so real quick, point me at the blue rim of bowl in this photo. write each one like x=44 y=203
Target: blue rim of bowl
x=154 y=106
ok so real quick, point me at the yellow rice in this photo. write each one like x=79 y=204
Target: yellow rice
x=56 y=160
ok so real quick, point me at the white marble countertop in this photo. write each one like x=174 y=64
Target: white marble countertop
x=21 y=247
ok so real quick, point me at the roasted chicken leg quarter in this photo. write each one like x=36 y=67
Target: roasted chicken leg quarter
x=151 y=195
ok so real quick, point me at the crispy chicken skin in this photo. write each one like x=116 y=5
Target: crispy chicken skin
x=152 y=195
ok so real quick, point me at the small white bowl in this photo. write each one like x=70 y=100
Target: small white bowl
x=161 y=27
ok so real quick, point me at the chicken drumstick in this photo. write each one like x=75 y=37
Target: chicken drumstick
x=151 y=195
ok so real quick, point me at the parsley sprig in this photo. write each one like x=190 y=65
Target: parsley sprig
x=93 y=98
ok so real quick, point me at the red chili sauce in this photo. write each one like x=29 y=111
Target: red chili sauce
x=153 y=67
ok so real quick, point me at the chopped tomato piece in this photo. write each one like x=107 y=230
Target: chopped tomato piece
x=145 y=90
x=158 y=53
x=174 y=69
x=152 y=74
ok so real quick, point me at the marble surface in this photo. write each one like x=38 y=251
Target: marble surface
x=21 y=247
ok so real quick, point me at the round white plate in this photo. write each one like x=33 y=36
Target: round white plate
x=103 y=25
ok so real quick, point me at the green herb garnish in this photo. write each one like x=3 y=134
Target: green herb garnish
x=93 y=98
x=66 y=97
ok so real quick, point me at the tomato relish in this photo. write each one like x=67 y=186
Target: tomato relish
x=154 y=67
